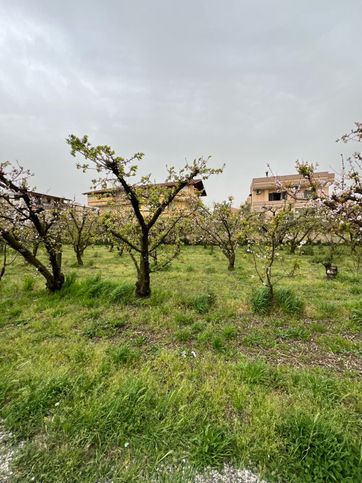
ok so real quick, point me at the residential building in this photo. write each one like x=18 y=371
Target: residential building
x=108 y=198
x=48 y=201
x=276 y=191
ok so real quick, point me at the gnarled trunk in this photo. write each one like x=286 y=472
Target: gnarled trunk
x=54 y=278
x=55 y=283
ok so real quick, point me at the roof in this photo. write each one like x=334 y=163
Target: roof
x=271 y=181
x=46 y=195
x=199 y=185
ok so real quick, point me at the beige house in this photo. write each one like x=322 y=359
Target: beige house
x=105 y=199
x=275 y=191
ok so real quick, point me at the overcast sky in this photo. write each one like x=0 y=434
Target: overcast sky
x=247 y=82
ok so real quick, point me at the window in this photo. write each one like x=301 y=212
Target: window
x=278 y=196
x=308 y=194
x=259 y=192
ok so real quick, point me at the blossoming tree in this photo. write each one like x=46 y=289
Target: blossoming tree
x=81 y=224
x=344 y=204
x=147 y=203
x=24 y=220
x=221 y=226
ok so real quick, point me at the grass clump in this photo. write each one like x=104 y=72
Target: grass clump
x=284 y=299
x=91 y=288
x=357 y=314
x=104 y=328
x=202 y=303
x=123 y=354
x=318 y=450
x=289 y=302
x=28 y=284
x=261 y=301
x=213 y=446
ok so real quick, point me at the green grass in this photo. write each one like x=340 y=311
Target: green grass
x=100 y=386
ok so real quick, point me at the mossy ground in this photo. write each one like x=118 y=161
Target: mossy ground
x=101 y=386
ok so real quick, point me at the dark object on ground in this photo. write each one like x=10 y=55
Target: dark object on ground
x=331 y=270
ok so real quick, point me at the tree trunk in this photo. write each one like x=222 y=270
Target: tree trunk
x=55 y=283
x=3 y=268
x=268 y=273
x=55 y=258
x=79 y=258
x=36 y=246
x=293 y=247
x=143 y=284
x=231 y=258
x=54 y=279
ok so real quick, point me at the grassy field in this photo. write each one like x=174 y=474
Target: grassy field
x=100 y=386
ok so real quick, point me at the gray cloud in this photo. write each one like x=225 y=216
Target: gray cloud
x=248 y=82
